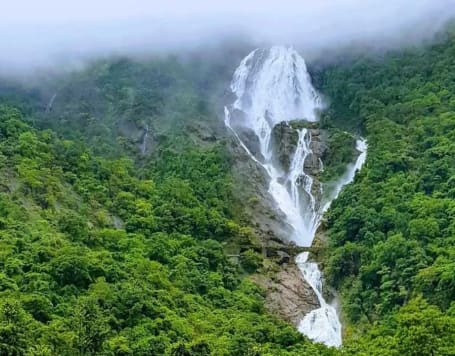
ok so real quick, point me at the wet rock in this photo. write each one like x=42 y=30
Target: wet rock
x=259 y=207
x=250 y=139
x=283 y=257
x=284 y=143
x=139 y=135
x=288 y=295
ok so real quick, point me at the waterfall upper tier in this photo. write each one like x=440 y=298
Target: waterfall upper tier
x=271 y=86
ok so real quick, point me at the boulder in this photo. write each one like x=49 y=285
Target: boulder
x=283 y=257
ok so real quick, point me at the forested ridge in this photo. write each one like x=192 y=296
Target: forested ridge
x=97 y=261
x=105 y=251
x=392 y=233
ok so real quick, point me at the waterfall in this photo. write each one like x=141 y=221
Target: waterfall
x=322 y=324
x=144 y=140
x=348 y=176
x=272 y=86
x=50 y=104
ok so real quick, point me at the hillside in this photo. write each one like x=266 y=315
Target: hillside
x=391 y=250
x=120 y=209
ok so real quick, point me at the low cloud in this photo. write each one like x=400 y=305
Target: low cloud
x=46 y=32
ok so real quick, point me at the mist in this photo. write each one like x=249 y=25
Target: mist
x=50 y=32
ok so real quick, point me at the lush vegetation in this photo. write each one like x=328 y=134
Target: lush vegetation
x=392 y=233
x=108 y=251
x=95 y=260
x=340 y=152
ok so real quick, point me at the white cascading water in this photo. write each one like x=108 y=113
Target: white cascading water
x=272 y=86
x=322 y=324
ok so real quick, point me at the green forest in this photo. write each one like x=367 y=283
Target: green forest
x=107 y=251
x=392 y=233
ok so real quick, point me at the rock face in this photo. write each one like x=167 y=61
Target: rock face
x=318 y=146
x=283 y=257
x=284 y=142
x=140 y=136
x=258 y=205
x=288 y=295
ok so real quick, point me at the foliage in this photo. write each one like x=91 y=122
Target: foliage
x=340 y=152
x=107 y=252
x=99 y=257
x=392 y=232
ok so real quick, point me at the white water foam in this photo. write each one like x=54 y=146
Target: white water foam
x=322 y=324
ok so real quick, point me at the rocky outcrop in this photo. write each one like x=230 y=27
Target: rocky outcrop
x=313 y=165
x=288 y=295
x=140 y=136
x=201 y=133
x=285 y=136
x=284 y=141
x=258 y=206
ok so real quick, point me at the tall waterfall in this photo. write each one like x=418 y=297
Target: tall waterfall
x=272 y=86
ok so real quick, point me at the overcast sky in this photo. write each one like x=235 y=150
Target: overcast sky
x=33 y=33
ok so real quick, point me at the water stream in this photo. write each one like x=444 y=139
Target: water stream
x=272 y=86
x=144 y=140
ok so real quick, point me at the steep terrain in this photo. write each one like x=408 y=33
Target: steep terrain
x=271 y=88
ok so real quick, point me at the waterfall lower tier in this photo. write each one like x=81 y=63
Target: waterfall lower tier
x=272 y=87
x=323 y=325
x=320 y=325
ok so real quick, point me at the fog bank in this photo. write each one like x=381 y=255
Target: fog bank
x=43 y=33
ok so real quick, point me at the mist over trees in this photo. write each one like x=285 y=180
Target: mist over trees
x=50 y=33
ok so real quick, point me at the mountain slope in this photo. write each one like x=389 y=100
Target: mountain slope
x=109 y=250
x=98 y=261
x=392 y=232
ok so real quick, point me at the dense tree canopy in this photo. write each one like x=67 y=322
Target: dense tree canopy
x=106 y=251
x=95 y=260
x=392 y=232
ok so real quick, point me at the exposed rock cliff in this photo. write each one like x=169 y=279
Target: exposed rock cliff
x=288 y=295
x=284 y=141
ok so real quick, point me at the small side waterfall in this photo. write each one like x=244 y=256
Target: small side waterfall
x=272 y=86
x=144 y=140
x=50 y=104
x=348 y=176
